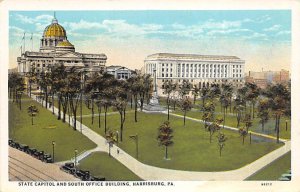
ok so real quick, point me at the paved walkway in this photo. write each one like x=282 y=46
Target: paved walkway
x=148 y=172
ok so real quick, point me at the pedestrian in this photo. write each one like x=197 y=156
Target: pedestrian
x=118 y=151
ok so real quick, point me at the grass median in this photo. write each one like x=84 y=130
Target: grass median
x=46 y=129
x=192 y=149
x=101 y=165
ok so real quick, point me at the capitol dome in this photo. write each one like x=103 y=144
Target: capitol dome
x=54 y=30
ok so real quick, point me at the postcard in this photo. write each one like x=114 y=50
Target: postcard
x=144 y=95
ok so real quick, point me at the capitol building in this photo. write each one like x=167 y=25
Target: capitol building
x=200 y=70
x=56 y=49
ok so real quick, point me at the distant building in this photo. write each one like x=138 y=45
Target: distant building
x=263 y=78
x=201 y=70
x=56 y=49
x=119 y=72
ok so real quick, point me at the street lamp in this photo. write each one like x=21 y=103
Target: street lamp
x=136 y=138
x=53 y=144
x=75 y=157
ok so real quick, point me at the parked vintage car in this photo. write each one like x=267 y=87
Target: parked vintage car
x=83 y=175
x=69 y=168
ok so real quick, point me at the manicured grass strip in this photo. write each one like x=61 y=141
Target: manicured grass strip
x=191 y=150
x=274 y=170
x=101 y=165
x=46 y=129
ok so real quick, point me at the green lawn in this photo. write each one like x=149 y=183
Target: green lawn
x=274 y=170
x=191 y=150
x=232 y=122
x=46 y=129
x=100 y=164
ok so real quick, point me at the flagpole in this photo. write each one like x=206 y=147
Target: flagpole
x=24 y=42
x=31 y=41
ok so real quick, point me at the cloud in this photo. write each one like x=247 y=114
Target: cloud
x=286 y=32
x=82 y=24
x=273 y=28
x=37 y=19
x=221 y=25
x=227 y=31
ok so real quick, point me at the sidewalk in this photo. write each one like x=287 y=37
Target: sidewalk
x=148 y=172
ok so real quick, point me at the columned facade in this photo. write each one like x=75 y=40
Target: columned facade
x=200 y=70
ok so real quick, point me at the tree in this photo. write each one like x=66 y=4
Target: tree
x=134 y=85
x=111 y=139
x=145 y=88
x=31 y=75
x=214 y=127
x=252 y=95
x=32 y=111
x=16 y=87
x=239 y=110
x=165 y=136
x=73 y=91
x=185 y=88
x=224 y=103
x=227 y=90
x=221 y=142
x=243 y=132
x=247 y=121
x=208 y=113
x=168 y=88
x=279 y=98
x=263 y=112
x=195 y=92
x=204 y=94
x=120 y=105
x=185 y=105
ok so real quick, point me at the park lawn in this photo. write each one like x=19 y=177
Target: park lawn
x=191 y=150
x=274 y=170
x=100 y=164
x=46 y=129
x=256 y=126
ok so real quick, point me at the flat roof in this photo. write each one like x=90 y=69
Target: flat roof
x=190 y=57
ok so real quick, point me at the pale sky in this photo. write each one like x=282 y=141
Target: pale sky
x=260 y=37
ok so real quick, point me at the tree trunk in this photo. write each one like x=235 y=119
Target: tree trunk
x=220 y=151
x=210 y=137
x=131 y=101
x=99 y=119
x=121 y=127
x=184 y=118
x=194 y=99
x=31 y=119
x=263 y=125
x=135 y=108
x=105 y=111
x=59 y=109
x=253 y=110
x=278 y=124
x=224 y=119
x=243 y=139
x=168 y=103
x=92 y=111
x=166 y=152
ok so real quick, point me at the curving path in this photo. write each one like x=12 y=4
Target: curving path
x=147 y=172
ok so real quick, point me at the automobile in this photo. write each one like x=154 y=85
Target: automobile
x=17 y=145
x=11 y=143
x=83 y=175
x=97 y=178
x=23 y=147
x=39 y=155
x=283 y=179
x=69 y=168
x=287 y=175
x=31 y=151
x=47 y=158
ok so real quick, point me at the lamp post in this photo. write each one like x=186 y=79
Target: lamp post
x=75 y=155
x=53 y=145
x=136 y=138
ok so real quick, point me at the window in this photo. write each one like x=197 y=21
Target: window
x=38 y=65
x=44 y=65
x=167 y=75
